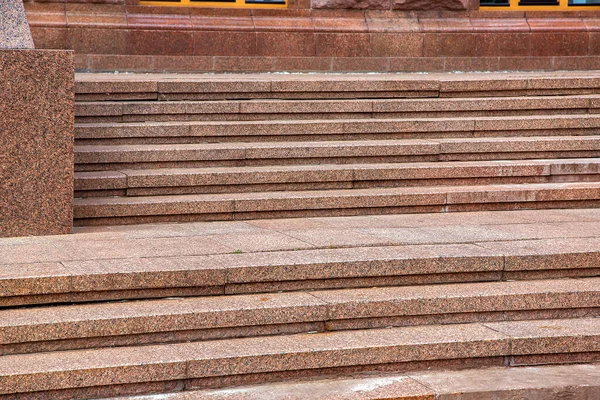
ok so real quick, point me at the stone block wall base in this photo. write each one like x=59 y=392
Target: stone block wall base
x=157 y=39
x=36 y=142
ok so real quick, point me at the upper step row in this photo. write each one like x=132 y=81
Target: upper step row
x=97 y=87
x=248 y=110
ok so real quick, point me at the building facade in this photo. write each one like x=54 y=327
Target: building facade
x=321 y=35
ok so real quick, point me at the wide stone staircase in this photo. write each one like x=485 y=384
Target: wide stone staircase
x=221 y=147
x=425 y=301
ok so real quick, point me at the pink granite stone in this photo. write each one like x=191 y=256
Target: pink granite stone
x=426 y=5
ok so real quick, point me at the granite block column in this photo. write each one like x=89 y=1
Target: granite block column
x=36 y=131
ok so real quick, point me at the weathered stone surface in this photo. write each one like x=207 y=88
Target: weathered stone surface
x=14 y=29
x=425 y=5
x=358 y=4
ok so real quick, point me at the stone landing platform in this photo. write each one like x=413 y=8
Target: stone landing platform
x=521 y=232
x=389 y=301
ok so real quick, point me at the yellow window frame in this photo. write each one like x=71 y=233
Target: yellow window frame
x=563 y=6
x=214 y=4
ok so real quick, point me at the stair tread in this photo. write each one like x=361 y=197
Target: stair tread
x=347 y=121
x=556 y=381
x=107 y=319
x=91 y=83
x=295 y=250
x=416 y=170
x=346 y=127
x=131 y=153
x=451 y=194
x=102 y=108
x=338 y=143
x=30 y=372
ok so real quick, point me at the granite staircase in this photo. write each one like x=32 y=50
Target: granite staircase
x=497 y=304
x=167 y=148
x=416 y=303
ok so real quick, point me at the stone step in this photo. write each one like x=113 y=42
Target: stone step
x=169 y=181
x=219 y=363
x=572 y=381
x=258 y=205
x=231 y=110
x=336 y=129
x=132 y=87
x=138 y=262
x=43 y=329
x=151 y=156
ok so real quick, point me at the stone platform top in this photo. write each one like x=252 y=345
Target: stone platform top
x=14 y=29
x=522 y=232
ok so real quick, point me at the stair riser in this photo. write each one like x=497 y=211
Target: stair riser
x=299 y=95
x=178 y=333
x=119 y=385
x=273 y=272
x=341 y=179
x=135 y=164
x=100 y=162
x=161 y=191
x=325 y=201
x=333 y=137
x=169 y=386
x=349 y=129
x=178 y=387
x=175 y=336
x=334 y=212
x=320 y=116
x=98 y=94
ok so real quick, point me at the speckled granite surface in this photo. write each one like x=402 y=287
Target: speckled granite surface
x=14 y=28
x=36 y=142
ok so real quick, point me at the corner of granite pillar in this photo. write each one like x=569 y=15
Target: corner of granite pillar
x=36 y=131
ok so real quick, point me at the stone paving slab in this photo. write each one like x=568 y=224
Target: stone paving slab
x=310 y=252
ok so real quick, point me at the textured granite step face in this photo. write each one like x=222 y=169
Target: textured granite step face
x=238 y=258
x=576 y=381
x=231 y=110
x=212 y=207
x=156 y=148
x=152 y=156
x=110 y=87
x=112 y=371
x=276 y=178
x=344 y=129
x=44 y=329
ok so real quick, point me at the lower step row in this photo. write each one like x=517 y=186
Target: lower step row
x=163 y=368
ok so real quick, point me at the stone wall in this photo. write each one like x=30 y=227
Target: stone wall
x=193 y=39
x=401 y=5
